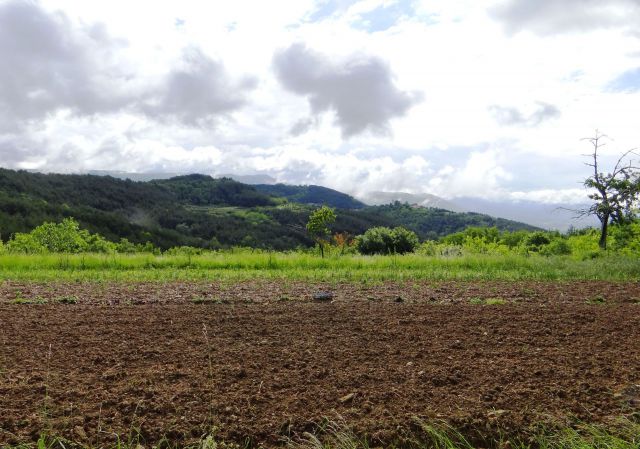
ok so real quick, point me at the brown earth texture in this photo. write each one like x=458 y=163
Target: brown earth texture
x=263 y=362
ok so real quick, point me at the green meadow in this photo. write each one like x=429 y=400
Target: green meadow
x=244 y=264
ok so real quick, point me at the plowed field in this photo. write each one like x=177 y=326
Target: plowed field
x=263 y=361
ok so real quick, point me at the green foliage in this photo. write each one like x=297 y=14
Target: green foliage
x=184 y=251
x=247 y=264
x=492 y=241
x=312 y=195
x=319 y=221
x=124 y=246
x=318 y=225
x=614 y=194
x=203 y=212
x=383 y=240
x=536 y=240
x=202 y=190
x=625 y=238
x=25 y=243
x=64 y=237
x=433 y=223
x=556 y=247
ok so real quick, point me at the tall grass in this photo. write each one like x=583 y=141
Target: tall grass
x=622 y=435
x=302 y=266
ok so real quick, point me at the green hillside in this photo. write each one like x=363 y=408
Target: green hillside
x=201 y=211
x=315 y=195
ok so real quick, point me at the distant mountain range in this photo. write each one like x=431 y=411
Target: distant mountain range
x=546 y=216
x=422 y=199
x=542 y=215
x=199 y=210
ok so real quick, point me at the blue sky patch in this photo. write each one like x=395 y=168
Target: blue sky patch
x=328 y=8
x=384 y=17
x=628 y=81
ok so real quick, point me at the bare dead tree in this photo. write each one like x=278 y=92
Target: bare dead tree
x=614 y=194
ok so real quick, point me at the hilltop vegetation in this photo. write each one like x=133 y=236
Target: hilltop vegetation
x=204 y=212
x=317 y=195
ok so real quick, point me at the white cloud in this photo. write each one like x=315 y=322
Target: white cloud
x=119 y=85
x=360 y=91
x=553 y=17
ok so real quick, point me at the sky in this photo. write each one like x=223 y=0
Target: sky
x=488 y=99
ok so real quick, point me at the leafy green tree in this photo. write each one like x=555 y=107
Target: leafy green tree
x=318 y=226
x=383 y=240
x=376 y=240
x=614 y=193
x=404 y=241
x=64 y=237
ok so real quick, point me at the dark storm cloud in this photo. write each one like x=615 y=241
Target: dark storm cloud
x=48 y=65
x=360 y=91
x=510 y=116
x=198 y=92
x=545 y=17
x=16 y=149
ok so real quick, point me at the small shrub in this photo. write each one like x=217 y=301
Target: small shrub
x=557 y=247
x=536 y=240
x=25 y=243
x=67 y=300
x=36 y=300
x=597 y=299
x=383 y=240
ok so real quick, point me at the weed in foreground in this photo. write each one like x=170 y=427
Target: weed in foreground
x=66 y=300
x=624 y=434
x=488 y=301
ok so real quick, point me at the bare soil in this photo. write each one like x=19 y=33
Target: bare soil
x=263 y=362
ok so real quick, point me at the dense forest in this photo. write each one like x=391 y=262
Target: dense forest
x=311 y=195
x=201 y=211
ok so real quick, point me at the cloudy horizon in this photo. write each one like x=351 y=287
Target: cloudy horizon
x=455 y=99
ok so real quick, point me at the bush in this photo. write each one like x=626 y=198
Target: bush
x=625 y=238
x=536 y=240
x=382 y=240
x=557 y=247
x=184 y=251
x=513 y=239
x=126 y=247
x=98 y=244
x=404 y=241
x=25 y=243
x=64 y=237
x=476 y=233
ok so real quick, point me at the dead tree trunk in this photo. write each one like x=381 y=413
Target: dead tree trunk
x=604 y=221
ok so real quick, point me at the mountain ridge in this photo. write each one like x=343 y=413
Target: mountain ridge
x=199 y=210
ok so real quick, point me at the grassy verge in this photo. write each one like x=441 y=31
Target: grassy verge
x=300 y=266
x=622 y=435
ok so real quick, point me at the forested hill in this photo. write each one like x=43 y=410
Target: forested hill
x=316 y=195
x=202 y=211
